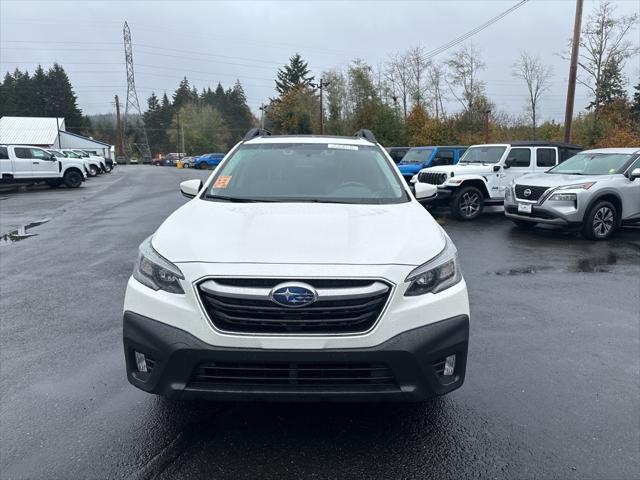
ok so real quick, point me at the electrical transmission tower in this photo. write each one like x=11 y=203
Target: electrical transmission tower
x=132 y=97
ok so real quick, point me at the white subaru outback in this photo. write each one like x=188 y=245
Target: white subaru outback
x=302 y=269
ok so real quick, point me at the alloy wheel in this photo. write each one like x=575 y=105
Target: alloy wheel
x=603 y=221
x=470 y=204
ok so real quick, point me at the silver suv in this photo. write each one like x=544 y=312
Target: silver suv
x=596 y=191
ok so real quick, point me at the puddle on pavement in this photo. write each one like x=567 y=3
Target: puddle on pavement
x=21 y=233
x=522 y=271
x=596 y=264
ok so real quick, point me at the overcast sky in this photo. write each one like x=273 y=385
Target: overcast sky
x=211 y=41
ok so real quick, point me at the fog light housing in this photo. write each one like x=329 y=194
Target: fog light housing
x=449 y=365
x=141 y=362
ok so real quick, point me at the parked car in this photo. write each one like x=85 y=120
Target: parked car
x=95 y=166
x=208 y=160
x=169 y=160
x=397 y=153
x=25 y=164
x=101 y=160
x=595 y=191
x=316 y=276
x=188 y=162
x=481 y=176
x=110 y=163
x=423 y=157
x=61 y=155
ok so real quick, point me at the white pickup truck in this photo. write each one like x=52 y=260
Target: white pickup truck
x=25 y=164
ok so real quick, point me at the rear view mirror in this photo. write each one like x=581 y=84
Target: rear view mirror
x=425 y=190
x=190 y=188
x=635 y=173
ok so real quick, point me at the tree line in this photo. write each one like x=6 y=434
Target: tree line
x=403 y=101
x=41 y=94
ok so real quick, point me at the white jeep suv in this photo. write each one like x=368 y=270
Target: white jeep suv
x=302 y=269
x=484 y=171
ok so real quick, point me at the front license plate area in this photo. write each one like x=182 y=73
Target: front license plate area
x=524 y=208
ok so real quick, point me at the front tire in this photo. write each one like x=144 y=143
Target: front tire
x=93 y=170
x=108 y=168
x=600 y=222
x=524 y=224
x=72 y=179
x=467 y=203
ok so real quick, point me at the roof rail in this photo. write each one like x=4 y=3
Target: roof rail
x=256 y=132
x=366 y=134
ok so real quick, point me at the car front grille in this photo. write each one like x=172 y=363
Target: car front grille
x=536 y=192
x=292 y=375
x=434 y=178
x=342 y=306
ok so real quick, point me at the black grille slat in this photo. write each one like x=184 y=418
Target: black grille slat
x=272 y=282
x=292 y=375
x=536 y=192
x=433 y=178
x=250 y=315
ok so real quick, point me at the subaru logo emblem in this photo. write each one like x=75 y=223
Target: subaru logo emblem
x=293 y=294
x=527 y=192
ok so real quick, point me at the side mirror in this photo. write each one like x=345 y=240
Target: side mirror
x=508 y=162
x=52 y=158
x=496 y=168
x=635 y=173
x=190 y=188
x=425 y=190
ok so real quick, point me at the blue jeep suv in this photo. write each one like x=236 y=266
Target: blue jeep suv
x=208 y=160
x=422 y=157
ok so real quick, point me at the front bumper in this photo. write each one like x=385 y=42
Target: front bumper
x=563 y=214
x=412 y=356
x=442 y=198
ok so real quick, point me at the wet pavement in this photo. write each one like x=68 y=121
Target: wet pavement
x=552 y=388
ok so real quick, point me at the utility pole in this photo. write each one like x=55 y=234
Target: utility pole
x=180 y=127
x=262 y=109
x=486 y=125
x=321 y=86
x=573 y=71
x=119 y=136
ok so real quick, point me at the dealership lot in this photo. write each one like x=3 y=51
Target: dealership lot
x=552 y=380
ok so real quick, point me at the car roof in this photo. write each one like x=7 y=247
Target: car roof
x=439 y=146
x=315 y=139
x=623 y=150
x=532 y=143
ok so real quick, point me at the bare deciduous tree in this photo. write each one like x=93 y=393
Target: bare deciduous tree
x=536 y=75
x=603 y=46
x=436 y=74
x=464 y=65
x=398 y=74
x=418 y=65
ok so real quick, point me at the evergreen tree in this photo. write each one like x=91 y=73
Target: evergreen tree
x=635 y=106
x=611 y=86
x=156 y=132
x=39 y=84
x=184 y=95
x=60 y=101
x=8 y=96
x=296 y=73
x=238 y=114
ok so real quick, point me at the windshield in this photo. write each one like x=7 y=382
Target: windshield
x=325 y=173
x=593 y=164
x=417 y=156
x=483 y=155
x=71 y=154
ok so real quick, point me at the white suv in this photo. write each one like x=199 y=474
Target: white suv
x=302 y=269
x=484 y=171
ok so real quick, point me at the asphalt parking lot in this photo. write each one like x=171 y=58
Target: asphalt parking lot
x=553 y=375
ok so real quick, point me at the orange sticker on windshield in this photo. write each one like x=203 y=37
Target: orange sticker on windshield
x=222 y=181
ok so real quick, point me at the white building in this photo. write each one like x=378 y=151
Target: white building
x=48 y=132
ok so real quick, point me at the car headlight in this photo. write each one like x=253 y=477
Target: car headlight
x=578 y=186
x=155 y=271
x=414 y=179
x=508 y=194
x=437 y=274
x=563 y=197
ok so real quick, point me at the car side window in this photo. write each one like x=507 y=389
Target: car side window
x=39 y=154
x=566 y=153
x=443 y=157
x=22 y=152
x=4 y=153
x=545 y=157
x=521 y=157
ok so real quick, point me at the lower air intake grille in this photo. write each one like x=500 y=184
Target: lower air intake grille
x=292 y=374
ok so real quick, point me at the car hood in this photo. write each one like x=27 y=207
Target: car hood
x=467 y=169
x=556 y=179
x=299 y=233
x=409 y=168
x=77 y=162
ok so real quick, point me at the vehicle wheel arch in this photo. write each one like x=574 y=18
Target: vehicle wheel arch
x=607 y=196
x=478 y=183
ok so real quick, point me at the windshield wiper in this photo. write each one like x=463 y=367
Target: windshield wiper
x=236 y=199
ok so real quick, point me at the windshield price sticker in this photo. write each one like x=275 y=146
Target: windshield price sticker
x=342 y=147
x=222 y=181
